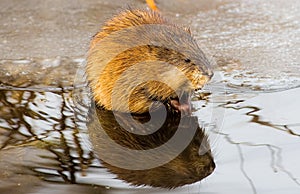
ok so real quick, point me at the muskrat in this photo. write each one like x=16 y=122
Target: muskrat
x=145 y=41
x=138 y=65
x=188 y=166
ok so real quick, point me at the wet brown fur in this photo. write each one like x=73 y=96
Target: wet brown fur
x=186 y=57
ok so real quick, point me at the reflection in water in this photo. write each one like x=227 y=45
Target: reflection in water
x=194 y=163
x=38 y=128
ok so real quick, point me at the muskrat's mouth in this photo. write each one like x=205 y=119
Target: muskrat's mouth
x=182 y=103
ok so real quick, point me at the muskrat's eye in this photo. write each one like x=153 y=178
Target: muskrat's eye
x=187 y=60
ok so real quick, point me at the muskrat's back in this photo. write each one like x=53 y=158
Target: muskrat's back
x=126 y=19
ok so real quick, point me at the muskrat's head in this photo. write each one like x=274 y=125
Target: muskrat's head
x=183 y=74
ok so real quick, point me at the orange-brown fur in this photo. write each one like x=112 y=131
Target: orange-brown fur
x=181 y=51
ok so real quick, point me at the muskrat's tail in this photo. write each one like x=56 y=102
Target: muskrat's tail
x=152 y=5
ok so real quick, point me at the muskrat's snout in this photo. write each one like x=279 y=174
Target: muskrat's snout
x=196 y=76
x=209 y=73
x=206 y=78
x=212 y=167
x=200 y=78
x=206 y=67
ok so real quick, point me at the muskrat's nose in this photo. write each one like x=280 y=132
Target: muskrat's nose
x=212 y=168
x=210 y=74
